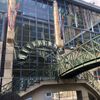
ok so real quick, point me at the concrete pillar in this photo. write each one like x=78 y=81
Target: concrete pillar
x=8 y=65
x=58 y=40
x=85 y=95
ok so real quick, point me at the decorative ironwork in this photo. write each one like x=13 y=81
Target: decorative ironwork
x=42 y=69
x=29 y=47
x=84 y=55
x=87 y=76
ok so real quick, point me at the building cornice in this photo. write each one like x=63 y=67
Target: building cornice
x=86 y=5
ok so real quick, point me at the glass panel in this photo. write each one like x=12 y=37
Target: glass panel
x=28 y=7
x=18 y=32
x=39 y=29
x=42 y=11
x=3 y=5
x=51 y=13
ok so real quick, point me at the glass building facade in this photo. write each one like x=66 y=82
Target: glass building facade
x=35 y=22
x=34 y=25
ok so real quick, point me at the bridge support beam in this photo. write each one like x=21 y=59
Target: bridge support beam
x=69 y=88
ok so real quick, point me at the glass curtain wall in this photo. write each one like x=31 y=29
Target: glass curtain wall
x=3 y=11
x=3 y=5
x=34 y=22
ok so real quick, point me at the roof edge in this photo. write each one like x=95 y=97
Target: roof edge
x=86 y=5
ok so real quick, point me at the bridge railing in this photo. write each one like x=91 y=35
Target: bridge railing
x=85 y=54
x=22 y=84
x=89 y=77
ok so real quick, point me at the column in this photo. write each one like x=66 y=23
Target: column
x=85 y=95
x=9 y=46
x=58 y=40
